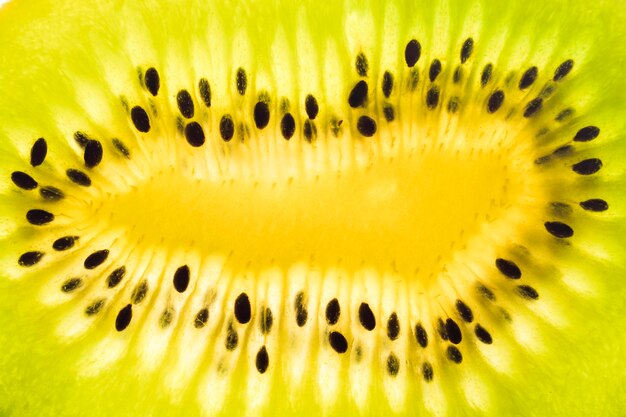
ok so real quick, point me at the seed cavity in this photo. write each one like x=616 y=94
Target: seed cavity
x=181 y=278
x=482 y=334
x=78 y=177
x=287 y=126
x=309 y=130
x=243 y=311
x=432 y=97
x=441 y=329
x=140 y=119
x=528 y=78
x=564 y=114
x=95 y=307
x=427 y=371
x=185 y=104
x=301 y=311
x=205 y=91
x=366 y=126
x=194 y=134
x=358 y=95
x=333 y=311
x=38 y=152
x=123 y=318
x=39 y=217
x=201 y=319
x=139 y=293
x=23 y=180
x=30 y=258
x=495 y=101
x=454 y=354
x=412 y=52
x=262 y=360
x=232 y=338
x=389 y=112
x=588 y=166
x=533 y=107
x=559 y=229
x=338 y=342
x=261 y=114
x=486 y=292
x=434 y=70
x=96 y=259
x=420 y=335
x=361 y=64
x=563 y=69
x=116 y=276
x=366 y=317
x=458 y=73
x=464 y=311
x=81 y=138
x=241 y=81
x=267 y=319
x=227 y=128
x=485 y=77
x=121 y=148
x=51 y=193
x=594 y=204
x=166 y=317
x=393 y=365
x=527 y=292
x=466 y=49
x=311 y=106
x=71 y=285
x=586 y=134
x=508 y=268
x=393 y=327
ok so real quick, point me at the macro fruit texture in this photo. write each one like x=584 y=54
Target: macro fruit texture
x=294 y=208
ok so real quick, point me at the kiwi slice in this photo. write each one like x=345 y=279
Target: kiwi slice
x=301 y=208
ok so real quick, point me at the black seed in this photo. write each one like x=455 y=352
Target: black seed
x=23 y=180
x=453 y=104
x=310 y=104
x=528 y=78
x=121 y=148
x=533 y=107
x=508 y=268
x=116 y=276
x=96 y=259
x=95 y=307
x=387 y=84
x=194 y=134
x=185 y=104
x=309 y=130
x=432 y=97
x=241 y=80
x=564 y=114
x=64 y=243
x=527 y=292
x=181 y=278
x=441 y=329
x=361 y=64
x=466 y=49
x=563 y=150
x=588 y=166
x=427 y=372
x=453 y=331
x=333 y=311
x=78 y=177
x=594 y=204
x=93 y=153
x=38 y=152
x=563 y=69
x=261 y=114
x=454 y=354
x=262 y=360
x=464 y=311
x=393 y=327
x=338 y=342
x=435 y=70
x=30 y=258
x=227 y=128
x=389 y=113
x=231 y=337
x=414 y=78
x=366 y=317
x=243 y=311
x=458 y=73
x=140 y=119
x=486 y=292
x=71 y=284
x=558 y=229
x=420 y=335
x=123 y=318
x=139 y=293
x=201 y=318
x=358 y=95
x=301 y=311
x=205 y=91
x=366 y=126
x=39 y=217
x=51 y=193
x=267 y=319
x=393 y=364
x=81 y=138
x=412 y=52
x=287 y=126
x=495 y=101
x=485 y=77
x=482 y=334
x=152 y=81
x=166 y=317
x=586 y=134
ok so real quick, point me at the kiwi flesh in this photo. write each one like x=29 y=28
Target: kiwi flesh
x=365 y=208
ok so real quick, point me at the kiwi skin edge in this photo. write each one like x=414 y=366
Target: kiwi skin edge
x=540 y=274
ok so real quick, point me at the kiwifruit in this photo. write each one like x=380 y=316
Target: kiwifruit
x=308 y=208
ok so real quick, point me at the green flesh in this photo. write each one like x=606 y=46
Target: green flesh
x=409 y=220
